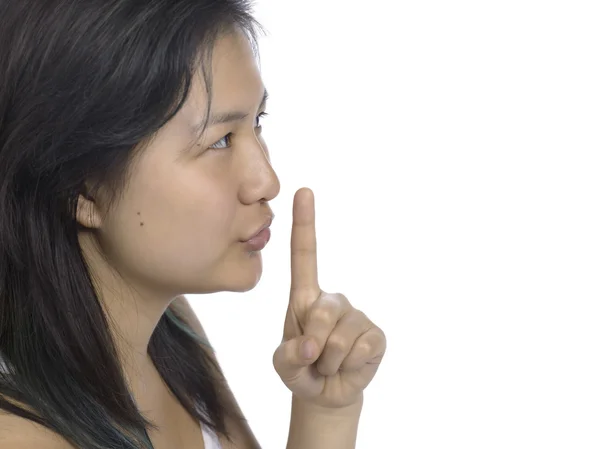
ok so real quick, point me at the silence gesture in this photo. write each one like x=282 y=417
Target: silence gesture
x=330 y=351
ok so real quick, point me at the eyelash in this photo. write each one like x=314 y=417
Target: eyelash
x=227 y=138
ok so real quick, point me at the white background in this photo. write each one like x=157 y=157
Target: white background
x=453 y=148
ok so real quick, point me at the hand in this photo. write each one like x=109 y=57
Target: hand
x=330 y=351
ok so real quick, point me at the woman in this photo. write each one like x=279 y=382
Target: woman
x=132 y=171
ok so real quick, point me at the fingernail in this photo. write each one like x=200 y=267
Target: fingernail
x=307 y=349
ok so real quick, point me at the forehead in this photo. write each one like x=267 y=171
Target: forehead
x=236 y=82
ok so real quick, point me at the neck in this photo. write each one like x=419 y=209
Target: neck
x=133 y=312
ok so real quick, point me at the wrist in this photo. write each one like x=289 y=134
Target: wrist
x=350 y=411
x=314 y=426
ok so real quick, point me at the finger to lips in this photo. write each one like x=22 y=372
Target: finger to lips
x=368 y=349
x=304 y=242
x=341 y=341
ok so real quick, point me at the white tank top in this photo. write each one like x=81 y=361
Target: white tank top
x=211 y=441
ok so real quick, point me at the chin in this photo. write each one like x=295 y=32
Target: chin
x=248 y=274
x=238 y=277
x=245 y=281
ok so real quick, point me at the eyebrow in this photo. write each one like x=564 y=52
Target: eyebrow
x=235 y=116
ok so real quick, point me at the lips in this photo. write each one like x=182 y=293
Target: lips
x=259 y=241
x=261 y=236
x=266 y=224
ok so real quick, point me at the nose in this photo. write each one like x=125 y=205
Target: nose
x=259 y=180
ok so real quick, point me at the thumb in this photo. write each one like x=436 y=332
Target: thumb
x=293 y=355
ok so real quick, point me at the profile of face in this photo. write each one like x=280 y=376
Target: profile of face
x=181 y=222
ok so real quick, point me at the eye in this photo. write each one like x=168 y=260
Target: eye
x=258 y=117
x=225 y=142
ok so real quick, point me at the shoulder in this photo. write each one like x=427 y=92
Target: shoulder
x=20 y=433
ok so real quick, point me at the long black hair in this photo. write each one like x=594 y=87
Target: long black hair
x=83 y=84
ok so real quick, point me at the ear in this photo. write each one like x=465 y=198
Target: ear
x=88 y=212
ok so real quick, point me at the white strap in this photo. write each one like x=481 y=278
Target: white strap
x=211 y=441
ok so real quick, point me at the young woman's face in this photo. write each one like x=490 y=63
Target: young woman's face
x=181 y=223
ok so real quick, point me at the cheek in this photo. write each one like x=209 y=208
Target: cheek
x=204 y=230
x=174 y=228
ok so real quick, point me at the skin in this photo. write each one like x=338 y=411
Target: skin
x=178 y=228
x=206 y=198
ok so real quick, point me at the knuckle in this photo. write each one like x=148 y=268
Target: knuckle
x=337 y=299
x=341 y=299
x=364 y=347
x=322 y=314
x=338 y=343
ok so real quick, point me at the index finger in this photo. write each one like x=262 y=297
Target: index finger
x=304 y=242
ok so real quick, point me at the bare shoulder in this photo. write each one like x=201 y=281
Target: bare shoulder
x=20 y=433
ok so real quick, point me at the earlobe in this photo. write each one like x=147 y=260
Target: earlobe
x=88 y=214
